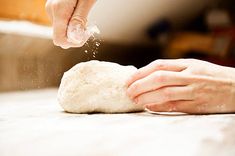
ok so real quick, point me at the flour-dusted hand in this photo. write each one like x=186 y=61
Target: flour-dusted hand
x=69 y=18
x=184 y=85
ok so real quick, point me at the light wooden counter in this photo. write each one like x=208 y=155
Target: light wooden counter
x=33 y=124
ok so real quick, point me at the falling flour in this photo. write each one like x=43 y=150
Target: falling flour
x=93 y=46
x=79 y=36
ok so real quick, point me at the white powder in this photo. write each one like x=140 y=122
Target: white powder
x=79 y=36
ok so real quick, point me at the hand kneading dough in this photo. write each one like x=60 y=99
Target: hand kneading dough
x=96 y=86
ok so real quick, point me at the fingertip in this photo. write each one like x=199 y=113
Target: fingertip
x=60 y=43
x=55 y=43
x=132 y=78
x=139 y=74
x=65 y=47
x=129 y=82
x=129 y=94
x=149 y=107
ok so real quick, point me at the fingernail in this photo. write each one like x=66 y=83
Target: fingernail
x=147 y=107
x=65 y=47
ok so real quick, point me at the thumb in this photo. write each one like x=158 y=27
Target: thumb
x=77 y=25
x=81 y=12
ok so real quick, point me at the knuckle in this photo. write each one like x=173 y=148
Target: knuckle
x=199 y=95
x=160 y=77
x=167 y=95
x=159 y=64
x=135 y=87
x=137 y=74
x=187 y=61
x=78 y=18
x=192 y=92
x=192 y=60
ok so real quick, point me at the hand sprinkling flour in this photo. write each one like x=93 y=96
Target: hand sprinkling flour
x=69 y=22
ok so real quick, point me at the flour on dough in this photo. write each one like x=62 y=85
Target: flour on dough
x=96 y=86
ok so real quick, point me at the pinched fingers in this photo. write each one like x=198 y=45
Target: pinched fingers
x=60 y=12
x=60 y=34
x=65 y=12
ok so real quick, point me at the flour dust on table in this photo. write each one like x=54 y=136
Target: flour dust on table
x=96 y=86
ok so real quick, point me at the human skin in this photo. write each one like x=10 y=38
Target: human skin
x=184 y=85
x=64 y=13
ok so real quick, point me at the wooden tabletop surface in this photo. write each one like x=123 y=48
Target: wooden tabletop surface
x=33 y=124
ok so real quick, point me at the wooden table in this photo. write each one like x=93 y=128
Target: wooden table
x=33 y=124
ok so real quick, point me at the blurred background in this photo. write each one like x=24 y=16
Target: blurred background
x=133 y=32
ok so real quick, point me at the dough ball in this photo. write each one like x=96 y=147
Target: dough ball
x=96 y=86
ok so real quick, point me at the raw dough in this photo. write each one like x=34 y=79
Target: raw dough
x=96 y=86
